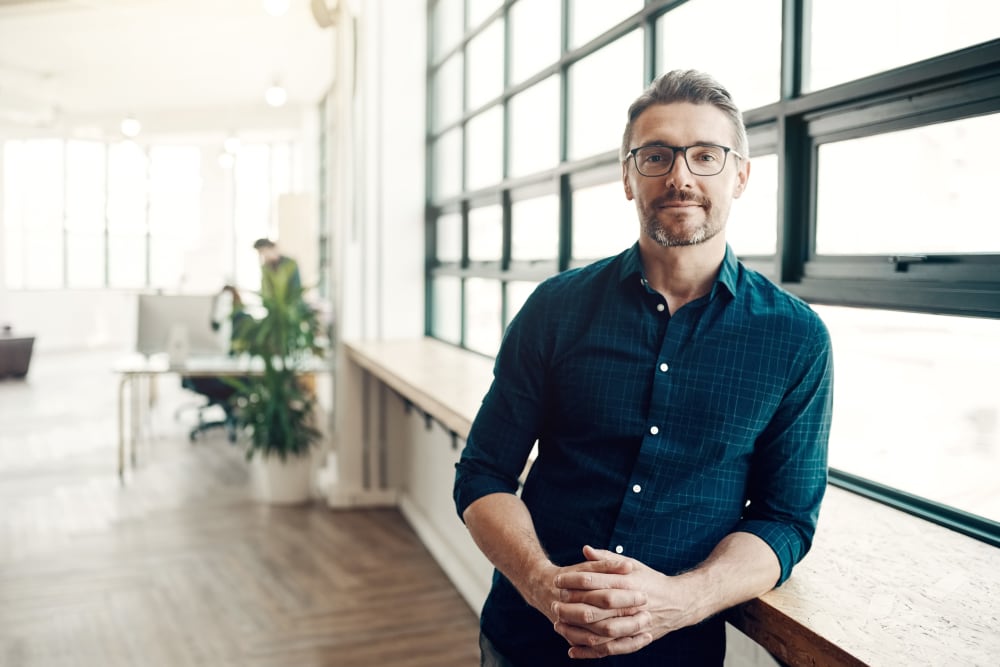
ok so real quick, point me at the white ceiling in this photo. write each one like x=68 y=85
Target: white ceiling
x=74 y=63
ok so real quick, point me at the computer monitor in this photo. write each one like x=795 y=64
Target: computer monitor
x=172 y=322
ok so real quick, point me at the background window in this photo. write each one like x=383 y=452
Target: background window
x=931 y=189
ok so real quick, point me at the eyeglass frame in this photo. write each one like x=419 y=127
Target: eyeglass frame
x=726 y=150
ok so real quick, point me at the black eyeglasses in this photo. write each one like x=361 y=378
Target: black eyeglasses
x=701 y=159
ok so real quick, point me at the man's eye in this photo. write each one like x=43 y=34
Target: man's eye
x=655 y=157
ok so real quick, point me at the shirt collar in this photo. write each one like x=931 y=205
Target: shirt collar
x=631 y=269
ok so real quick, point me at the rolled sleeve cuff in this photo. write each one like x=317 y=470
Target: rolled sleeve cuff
x=470 y=487
x=784 y=541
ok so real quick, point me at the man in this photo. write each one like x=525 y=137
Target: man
x=681 y=405
x=274 y=264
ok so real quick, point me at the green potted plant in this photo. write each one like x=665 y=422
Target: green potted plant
x=274 y=405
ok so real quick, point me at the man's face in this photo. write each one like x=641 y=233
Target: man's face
x=680 y=208
x=268 y=254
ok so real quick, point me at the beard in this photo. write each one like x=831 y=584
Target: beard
x=667 y=238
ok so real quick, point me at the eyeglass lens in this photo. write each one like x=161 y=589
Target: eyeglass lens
x=701 y=160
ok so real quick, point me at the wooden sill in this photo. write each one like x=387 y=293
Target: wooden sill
x=880 y=587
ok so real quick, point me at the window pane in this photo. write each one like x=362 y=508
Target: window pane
x=449 y=238
x=448 y=164
x=127 y=260
x=174 y=212
x=534 y=128
x=590 y=18
x=253 y=210
x=604 y=222
x=917 y=405
x=85 y=211
x=480 y=9
x=13 y=214
x=485 y=64
x=753 y=79
x=482 y=311
x=602 y=87
x=485 y=234
x=448 y=25
x=448 y=92
x=534 y=28
x=535 y=229
x=935 y=191
x=484 y=150
x=40 y=179
x=126 y=188
x=447 y=321
x=518 y=292
x=753 y=221
x=893 y=33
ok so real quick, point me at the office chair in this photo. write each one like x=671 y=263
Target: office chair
x=217 y=394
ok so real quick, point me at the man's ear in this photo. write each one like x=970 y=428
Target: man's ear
x=741 y=179
x=628 y=186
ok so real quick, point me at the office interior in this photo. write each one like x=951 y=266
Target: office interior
x=433 y=161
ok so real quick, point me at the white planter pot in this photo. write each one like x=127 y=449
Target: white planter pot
x=281 y=482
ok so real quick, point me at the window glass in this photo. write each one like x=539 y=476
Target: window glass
x=127 y=195
x=535 y=229
x=893 y=33
x=485 y=64
x=449 y=238
x=85 y=205
x=485 y=234
x=448 y=92
x=482 y=310
x=174 y=212
x=448 y=164
x=534 y=28
x=923 y=190
x=604 y=222
x=534 y=128
x=446 y=323
x=753 y=220
x=253 y=210
x=37 y=213
x=447 y=25
x=590 y=18
x=917 y=405
x=518 y=292
x=484 y=149
x=692 y=37
x=601 y=88
x=479 y=10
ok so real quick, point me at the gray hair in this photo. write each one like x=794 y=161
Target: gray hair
x=689 y=86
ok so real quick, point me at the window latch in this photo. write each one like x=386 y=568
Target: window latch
x=902 y=262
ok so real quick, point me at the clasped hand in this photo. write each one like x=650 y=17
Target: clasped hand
x=610 y=605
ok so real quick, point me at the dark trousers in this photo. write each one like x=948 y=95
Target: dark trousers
x=490 y=656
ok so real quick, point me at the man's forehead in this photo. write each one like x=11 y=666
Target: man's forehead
x=682 y=123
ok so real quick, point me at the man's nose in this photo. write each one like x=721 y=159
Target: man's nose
x=679 y=172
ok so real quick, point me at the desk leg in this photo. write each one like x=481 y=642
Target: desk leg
x=135 y=398
x=121 y=426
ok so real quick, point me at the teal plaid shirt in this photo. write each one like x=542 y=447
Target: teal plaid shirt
x=658 y=435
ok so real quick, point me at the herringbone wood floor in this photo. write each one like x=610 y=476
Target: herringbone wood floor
x=179 y=567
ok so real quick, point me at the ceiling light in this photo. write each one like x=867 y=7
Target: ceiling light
x=131 y=127
x=276 y=96
x=276 y=7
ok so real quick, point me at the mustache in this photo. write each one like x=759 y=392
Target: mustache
x=677 y=196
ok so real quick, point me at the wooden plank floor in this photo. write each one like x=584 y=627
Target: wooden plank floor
x=179 y=567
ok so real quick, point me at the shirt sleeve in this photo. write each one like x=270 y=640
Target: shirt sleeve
x=508 y=422
x=789 y=470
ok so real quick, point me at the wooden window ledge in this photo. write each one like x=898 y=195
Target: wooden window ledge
x=880 y=587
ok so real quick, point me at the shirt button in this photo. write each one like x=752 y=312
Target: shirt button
x=654 y=430
x=660 y=307
x=619 y=549
x=636 y=488
x=664 y=367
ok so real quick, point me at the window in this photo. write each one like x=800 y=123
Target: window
x=870 y=195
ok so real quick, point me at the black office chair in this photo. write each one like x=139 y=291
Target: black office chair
x=218 y=394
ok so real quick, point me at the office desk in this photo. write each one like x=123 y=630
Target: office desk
x=134 y=368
